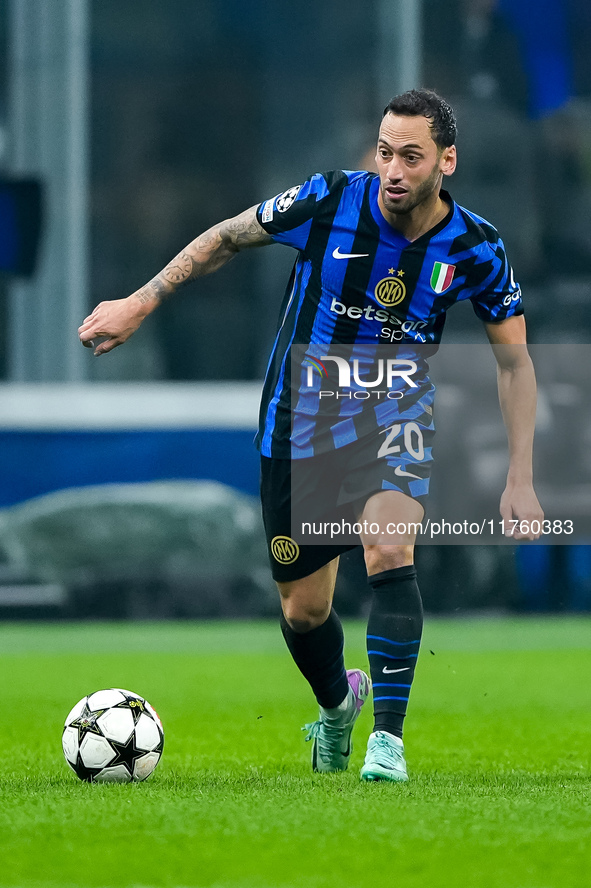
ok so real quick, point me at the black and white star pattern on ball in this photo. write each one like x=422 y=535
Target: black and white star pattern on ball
x=113 y=736
x=83 y=772
x=134 y=704
x=86 y=723
x=127 y=753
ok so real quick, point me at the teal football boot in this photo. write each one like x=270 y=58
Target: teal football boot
x=331 y=736
x=384 y=759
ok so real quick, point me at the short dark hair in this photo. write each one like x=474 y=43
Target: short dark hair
x=426 y=103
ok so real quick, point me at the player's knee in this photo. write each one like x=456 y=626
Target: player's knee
x=380 y=558
x=303 y=617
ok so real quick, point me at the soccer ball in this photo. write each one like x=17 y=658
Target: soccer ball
x=113 y=736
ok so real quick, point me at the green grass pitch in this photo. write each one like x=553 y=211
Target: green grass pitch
x=498 y=745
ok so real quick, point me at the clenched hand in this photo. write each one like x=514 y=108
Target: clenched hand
x=520 y=502
x=113 y=322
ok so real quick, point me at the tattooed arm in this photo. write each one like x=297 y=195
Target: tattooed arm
x=117 y=320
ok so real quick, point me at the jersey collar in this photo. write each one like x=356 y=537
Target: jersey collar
x=389 y=231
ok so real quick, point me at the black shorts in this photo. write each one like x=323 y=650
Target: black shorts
x=334 y=487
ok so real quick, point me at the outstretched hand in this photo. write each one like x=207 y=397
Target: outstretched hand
x=521 y=512
x=112 y=322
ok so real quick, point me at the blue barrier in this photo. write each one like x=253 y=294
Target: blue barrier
x=56 y=436
x=39 y=462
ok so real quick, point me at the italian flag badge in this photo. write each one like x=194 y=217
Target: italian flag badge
x=442 y=276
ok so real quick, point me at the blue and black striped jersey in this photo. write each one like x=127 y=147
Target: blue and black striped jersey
x=357 y=281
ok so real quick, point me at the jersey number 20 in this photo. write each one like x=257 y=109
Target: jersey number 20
x=414 y=447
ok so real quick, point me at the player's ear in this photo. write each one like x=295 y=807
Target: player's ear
x=448 y=160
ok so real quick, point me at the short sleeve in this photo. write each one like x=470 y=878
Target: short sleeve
x=500 y=296
x=288 y=216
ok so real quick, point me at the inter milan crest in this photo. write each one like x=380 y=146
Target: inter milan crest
x=284 y=549
x=390 y=291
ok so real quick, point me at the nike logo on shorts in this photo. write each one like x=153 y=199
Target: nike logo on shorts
x=400 y=472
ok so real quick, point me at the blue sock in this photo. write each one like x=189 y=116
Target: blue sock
x=393 y=637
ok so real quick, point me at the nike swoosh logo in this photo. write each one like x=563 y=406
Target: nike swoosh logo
x=336 y=254
x=390 y=671
x=400 y=471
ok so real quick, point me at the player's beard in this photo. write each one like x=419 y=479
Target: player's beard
x=415 y=197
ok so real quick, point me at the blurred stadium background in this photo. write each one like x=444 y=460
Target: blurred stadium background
x=126 y=129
